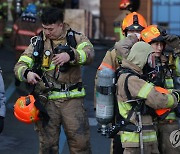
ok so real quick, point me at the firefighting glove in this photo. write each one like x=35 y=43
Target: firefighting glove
x=172 y=40
x=1 y=123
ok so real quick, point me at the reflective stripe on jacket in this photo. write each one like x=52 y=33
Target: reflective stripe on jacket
x=139 y=88
x=84 y=54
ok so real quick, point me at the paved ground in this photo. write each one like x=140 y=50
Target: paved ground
x=20 y=138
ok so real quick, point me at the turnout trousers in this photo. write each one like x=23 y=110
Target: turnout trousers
x=72 y=116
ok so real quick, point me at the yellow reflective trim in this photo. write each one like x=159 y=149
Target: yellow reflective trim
x=51 y=67
x=20 y=73
x=171 y=116
x=145 y=90
x=149 y=136
x=177 y=64
x=81 y=52
x=67 y=94
x=1 y=39
x=117 y=30
x=170 y=100
x=29 y=61
x=4 y=4
x=133 y=137
x=169 y=83
x=130 y=137
x=124 y=109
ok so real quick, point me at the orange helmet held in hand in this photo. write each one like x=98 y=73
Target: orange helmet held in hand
x=151 y=34
x=134 y=21
x=25 y=110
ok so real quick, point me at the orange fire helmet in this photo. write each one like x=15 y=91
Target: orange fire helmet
x=25 y=110
x=151 y=34
x=134 y=21
x=124 y=4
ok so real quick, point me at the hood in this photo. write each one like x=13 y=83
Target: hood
x=139 y=53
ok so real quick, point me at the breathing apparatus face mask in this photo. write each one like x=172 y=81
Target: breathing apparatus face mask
x=153 y=70
x=137 y=34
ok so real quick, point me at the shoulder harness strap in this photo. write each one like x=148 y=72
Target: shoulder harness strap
x=70 y=37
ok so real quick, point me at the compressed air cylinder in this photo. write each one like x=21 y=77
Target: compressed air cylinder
x=105 y=96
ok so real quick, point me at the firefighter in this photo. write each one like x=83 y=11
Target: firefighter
x=25 y=27
x=3 y=19
x=126 y=7
x=2 y=102
x=136 y=100
x=52 y=63
x=132 y=25
x=157 y=38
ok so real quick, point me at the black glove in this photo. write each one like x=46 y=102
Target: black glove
x=170 y=38
x=1 y=123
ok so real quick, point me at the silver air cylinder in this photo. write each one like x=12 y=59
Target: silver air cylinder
x=104 y=96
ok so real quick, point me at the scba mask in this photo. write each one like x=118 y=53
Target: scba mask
x=153 y=70
x=137 y=34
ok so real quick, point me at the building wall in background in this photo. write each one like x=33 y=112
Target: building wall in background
x=109 y=11
x=167 y=14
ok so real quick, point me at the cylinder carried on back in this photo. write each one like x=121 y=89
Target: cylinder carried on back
x=105 y=89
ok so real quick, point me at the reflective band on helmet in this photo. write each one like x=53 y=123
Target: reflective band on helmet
x=67 y=94
x=170 y=101
x=20 y=76
x=29 y=61
x=171 y=116
x=133 y=137
x=169 y=83
x=145 y=90
x=81 y=52
x=124 y=109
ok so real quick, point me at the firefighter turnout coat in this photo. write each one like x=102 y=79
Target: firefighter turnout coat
x=139 y=88
x=84 y=54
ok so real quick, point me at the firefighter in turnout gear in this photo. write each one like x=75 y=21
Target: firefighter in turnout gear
x=52 y=63
x=163 y=76
x=126 y=7
x=136 y=101
x=132 y=25
x=25 y=27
